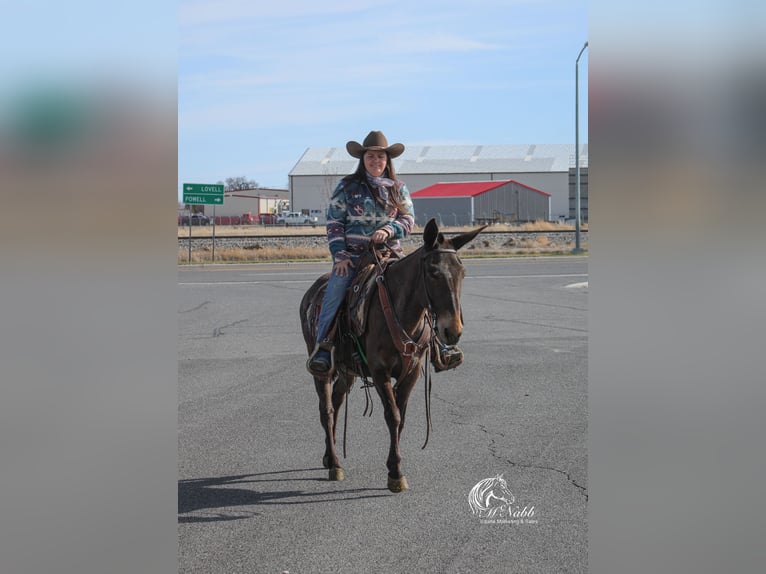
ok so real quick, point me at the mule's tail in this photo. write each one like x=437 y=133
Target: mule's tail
x=309 y=311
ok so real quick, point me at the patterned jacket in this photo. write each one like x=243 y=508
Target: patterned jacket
x=354 y=215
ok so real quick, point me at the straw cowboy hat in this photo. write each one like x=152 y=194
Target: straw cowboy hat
x=377 y=141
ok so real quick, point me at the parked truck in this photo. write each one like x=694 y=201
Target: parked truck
x=295 y=218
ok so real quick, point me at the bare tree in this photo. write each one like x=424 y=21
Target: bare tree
x=239 y=183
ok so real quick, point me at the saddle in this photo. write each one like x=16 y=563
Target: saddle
x=352 y=315
x=361 y=292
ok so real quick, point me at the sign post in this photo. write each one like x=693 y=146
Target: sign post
x=190 y=235
x=205 y=194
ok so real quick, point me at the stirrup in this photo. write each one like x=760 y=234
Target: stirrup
x=446 y=357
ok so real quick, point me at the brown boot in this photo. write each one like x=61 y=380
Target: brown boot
x=446 y=357
x=320 y=361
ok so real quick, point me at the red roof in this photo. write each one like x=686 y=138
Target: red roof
x=467 y=188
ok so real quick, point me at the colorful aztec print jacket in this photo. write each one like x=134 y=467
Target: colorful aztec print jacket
x=357 y=210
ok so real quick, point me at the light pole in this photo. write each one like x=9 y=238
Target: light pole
x=577 y=248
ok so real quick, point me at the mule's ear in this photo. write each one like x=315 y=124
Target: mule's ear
x=430 y=234
x=459 y=240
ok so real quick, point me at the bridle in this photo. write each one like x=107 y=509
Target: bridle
x=423 y=257
x=404 y=343
x=410 y=350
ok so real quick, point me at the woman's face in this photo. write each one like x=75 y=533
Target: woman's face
x=375 y=162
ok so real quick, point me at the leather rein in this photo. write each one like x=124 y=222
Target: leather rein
x=408 y=349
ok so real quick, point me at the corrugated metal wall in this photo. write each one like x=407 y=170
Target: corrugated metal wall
x=233 y=205
x=313 y=191
x=511 y=202
x=508 y=203
x=583 y=193
x=446 y=210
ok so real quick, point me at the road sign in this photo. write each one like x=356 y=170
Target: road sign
x=204 y=193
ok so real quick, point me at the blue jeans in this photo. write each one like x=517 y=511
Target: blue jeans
x=333 y=297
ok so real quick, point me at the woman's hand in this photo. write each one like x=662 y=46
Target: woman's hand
x=380 y=236
x=342 y=267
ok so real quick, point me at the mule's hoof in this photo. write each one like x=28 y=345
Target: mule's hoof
x=397 y=484
x=337 y=473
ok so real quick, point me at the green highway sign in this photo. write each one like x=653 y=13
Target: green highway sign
x=203 y=193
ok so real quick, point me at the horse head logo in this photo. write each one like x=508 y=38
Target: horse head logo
x=491 y=497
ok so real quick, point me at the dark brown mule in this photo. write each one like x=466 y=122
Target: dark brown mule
x=425 y=283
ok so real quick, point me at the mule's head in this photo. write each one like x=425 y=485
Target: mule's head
x=443 y=276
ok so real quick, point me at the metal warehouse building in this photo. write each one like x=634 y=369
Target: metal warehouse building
x=254 y=201
x=479 y=202
x=544 y=167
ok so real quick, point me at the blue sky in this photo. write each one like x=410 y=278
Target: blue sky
x=260 y=82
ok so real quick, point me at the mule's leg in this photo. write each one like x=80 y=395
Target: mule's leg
x=327 y=417
x=339 y=390
x=402 y=391
x=396 y=480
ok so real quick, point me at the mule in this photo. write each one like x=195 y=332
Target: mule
x=422 y=291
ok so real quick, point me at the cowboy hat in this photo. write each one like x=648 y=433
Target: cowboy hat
x=377 y=141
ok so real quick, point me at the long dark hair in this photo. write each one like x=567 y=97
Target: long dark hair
x=360 y=175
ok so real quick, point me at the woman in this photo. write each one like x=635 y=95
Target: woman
x=370 y=205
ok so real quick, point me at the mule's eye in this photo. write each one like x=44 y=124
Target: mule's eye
x=434 y=273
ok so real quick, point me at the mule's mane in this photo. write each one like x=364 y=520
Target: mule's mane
x=421 y=252
x=407 y=259
x=411 y=255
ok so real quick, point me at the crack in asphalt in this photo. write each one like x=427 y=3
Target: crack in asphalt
x=493 y=448
x=218 y=331
x=493 y=452
x=200 y=306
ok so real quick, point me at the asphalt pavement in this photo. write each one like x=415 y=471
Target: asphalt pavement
x=254 y=497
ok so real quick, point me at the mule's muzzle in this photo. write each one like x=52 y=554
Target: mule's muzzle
x=449 y=330
x=448 y=336
x=449 y=327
